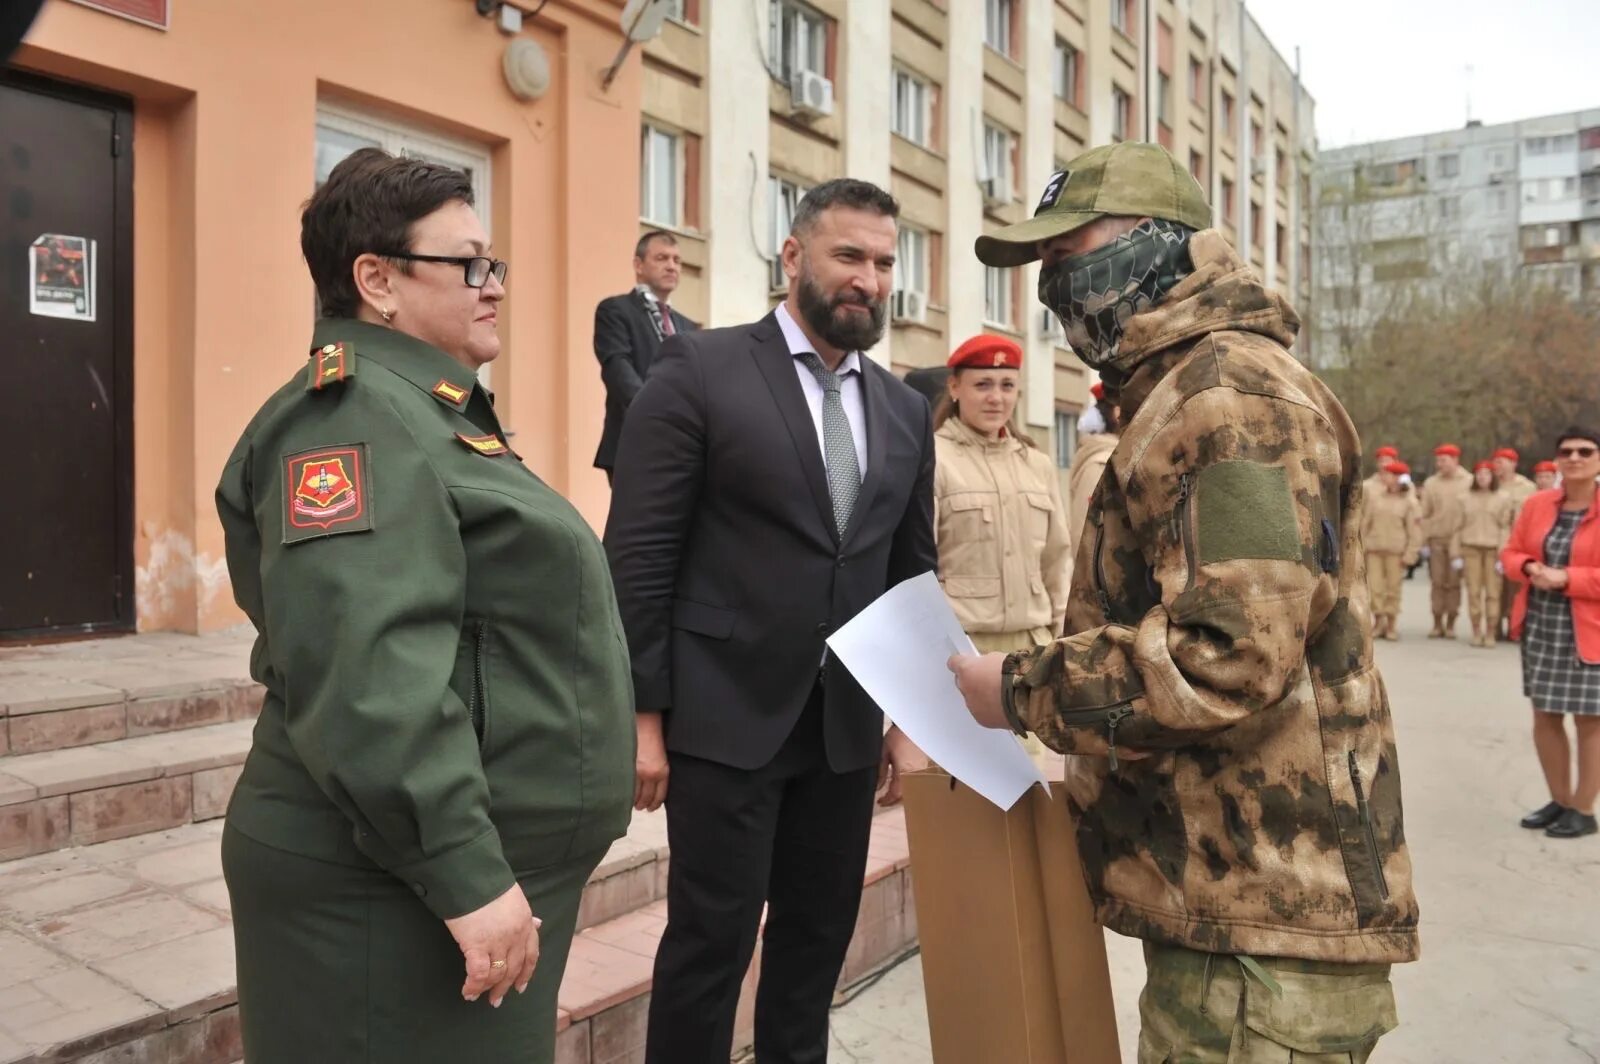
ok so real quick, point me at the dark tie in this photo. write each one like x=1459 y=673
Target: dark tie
x=838 y=442
x=666 y=319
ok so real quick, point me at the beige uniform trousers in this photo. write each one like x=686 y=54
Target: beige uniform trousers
x=1483 y=586
x=1384 y=572
x=1446 y=581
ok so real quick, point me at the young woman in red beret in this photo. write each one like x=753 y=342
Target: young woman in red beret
x=1391 y=535
x=1487 y=513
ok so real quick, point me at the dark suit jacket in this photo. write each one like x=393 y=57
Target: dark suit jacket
x=727 y=564
x=626 y=343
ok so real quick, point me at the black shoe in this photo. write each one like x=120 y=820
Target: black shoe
x=1572 y=825
x=1543 y=818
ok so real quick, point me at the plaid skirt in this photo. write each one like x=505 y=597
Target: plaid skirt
x=1553 y=676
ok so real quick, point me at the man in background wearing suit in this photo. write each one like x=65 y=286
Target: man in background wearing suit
x=629 y=330
x=771 y=483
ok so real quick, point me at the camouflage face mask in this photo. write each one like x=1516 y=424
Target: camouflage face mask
x=1095 y=294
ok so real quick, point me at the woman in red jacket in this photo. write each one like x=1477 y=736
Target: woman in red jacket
x=1554 y=552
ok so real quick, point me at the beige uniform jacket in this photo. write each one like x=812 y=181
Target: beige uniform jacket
x=1094 y=451
x=1486 y=518
x=1005 y=553
x=1391 y=523
x=1441 y=505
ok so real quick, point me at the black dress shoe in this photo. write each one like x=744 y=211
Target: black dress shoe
x=1543 y=818
x=1572 y=825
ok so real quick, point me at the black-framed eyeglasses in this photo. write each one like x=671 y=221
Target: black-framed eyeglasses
x=477 y=268
x=1578 y=452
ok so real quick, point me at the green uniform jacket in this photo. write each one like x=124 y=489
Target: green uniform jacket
x=448 y=689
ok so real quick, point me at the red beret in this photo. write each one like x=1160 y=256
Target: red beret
x=1386 y=452
x=1545 y=467
x=1397 y=468
x=1098 y=390
x=1485 y=464
x=987 y=351
x=1448 y=448
x=1506 y=452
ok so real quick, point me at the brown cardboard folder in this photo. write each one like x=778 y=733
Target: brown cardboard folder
x=1014 y=966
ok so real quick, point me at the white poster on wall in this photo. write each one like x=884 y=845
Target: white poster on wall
x=61 y=277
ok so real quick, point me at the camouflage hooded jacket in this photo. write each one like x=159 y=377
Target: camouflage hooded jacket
x=1218 y=632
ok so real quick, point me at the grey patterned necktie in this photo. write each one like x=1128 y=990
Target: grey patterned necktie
x=838 y=442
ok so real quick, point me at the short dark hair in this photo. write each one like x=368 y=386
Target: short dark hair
x=368 y=204
x=642 y=248
x=1579 y=432
x=842 y=192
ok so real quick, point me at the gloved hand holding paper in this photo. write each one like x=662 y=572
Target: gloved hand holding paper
x=896 y=649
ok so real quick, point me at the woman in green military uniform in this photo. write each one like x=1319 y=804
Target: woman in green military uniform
x=446 y=747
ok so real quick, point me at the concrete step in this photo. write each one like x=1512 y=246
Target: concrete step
x=84 y=795
x=122 y=951
x=83 y=694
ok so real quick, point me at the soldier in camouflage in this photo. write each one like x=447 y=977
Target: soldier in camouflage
x=1241 y=809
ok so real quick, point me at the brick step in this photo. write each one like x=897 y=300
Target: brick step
x=122 y=951
x=83 y=694
x=84 y=795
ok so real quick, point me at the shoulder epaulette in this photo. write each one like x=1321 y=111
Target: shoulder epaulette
x=330 y=364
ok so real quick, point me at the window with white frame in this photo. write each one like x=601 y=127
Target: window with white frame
x=997 y=308
x=785 y=198
x=912 y=114
x=1122 y=16
x=999 y=145
x=1066 y=438
x=798 y=39
x=1121 y=114
x=911 y=260
x=1064 y=72
x=997 y=22
x=660 y=176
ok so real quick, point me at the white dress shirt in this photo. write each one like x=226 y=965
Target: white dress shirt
x=849 y=373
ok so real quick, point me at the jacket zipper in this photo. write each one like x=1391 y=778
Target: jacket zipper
x=1112 y=715
x=1365 y=813
x=1099 y=573
x=1185 y=526
x=478 y=708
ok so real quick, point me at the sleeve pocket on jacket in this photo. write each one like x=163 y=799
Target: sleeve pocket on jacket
x=703 y=619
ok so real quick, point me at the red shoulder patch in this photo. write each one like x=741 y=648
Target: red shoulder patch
x=326 y=492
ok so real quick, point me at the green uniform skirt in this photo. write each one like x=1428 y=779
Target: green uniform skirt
x=345 y=965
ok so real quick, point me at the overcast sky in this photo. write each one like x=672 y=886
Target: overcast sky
x=1393 y=68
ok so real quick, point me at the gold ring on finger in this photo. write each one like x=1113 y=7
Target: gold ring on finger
x=497 y=965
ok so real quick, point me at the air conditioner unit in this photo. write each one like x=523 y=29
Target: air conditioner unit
x=810 y=95
x=996 y=191
x=908 y=306
x=1050 y=327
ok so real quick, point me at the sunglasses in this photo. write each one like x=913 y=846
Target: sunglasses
x=478 y=269
x=1577 y=452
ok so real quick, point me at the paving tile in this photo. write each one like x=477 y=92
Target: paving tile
x=13 y=1051
x=41 y=692
x=115 y=929
x=212 y=789
x=23 y=960
x=617 y=894
x=67 y=727
x=5 y=735
x=181 y=972
x=637 y=932
x=74 y=1008
x=148 y=715
x=29 y=828
x=194 y=749
x=213 y=893
x=61 y=894
x=110 y=853
x=617 y=1034
x=81 y=768
x=130 y=809
x=13 y=790
x=144 y=677
x=180 y=866
x=601 y=976
x=572 y=1044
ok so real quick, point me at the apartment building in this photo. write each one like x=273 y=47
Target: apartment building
x=962 y=108
x=1414 y=215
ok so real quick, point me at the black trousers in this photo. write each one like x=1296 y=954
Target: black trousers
x=792 y=835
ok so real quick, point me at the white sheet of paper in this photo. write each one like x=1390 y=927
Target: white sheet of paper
x=896 y=649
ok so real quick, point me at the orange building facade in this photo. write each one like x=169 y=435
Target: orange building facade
x=232 y=112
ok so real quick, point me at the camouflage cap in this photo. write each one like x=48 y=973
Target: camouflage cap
x=1131 y=178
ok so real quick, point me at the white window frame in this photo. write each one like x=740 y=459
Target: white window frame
x=997 y=292
x=911 y=107
x=999 y=144
x=784 y=198
x=797 y=39
x=998 y=21
x=912 y=260
x=1064 y=71
x=650 y=197
x=397 y=138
